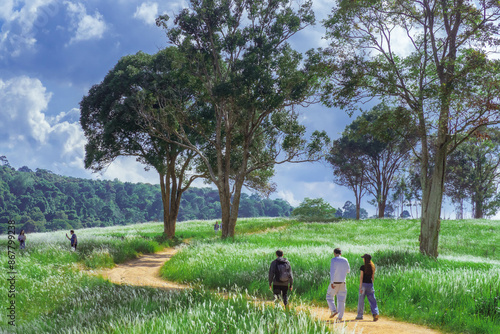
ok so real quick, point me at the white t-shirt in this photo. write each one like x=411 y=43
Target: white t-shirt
x=339 y=267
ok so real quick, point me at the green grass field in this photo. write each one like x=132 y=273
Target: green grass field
x=54 y=296
x=458 y=293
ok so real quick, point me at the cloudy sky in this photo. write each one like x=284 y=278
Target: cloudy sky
x=53 y=51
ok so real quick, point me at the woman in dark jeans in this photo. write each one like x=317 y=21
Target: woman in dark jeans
x=366 y=288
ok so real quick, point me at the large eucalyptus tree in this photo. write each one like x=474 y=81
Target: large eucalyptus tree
x=251 y=82
x=429 y=56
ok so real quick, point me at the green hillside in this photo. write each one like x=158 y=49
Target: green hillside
x=43 y=201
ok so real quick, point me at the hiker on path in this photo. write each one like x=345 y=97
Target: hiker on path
x=73 y=239
x=339 y=267
x=280 y=277
x=216 y=227
x=22 y=240
x=366 y=288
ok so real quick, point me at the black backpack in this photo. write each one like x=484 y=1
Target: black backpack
x=283 y=271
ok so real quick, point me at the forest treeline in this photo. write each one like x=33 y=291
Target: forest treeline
x=43 y=201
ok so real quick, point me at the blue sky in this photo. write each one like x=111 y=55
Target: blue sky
x=53 y=51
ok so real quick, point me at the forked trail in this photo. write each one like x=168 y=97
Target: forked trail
x=145 y=271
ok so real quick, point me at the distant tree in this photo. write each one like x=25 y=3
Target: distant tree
x=4 y=161
x=349 y=168
x=25 y=169
x=350 y=211
x=389 y=210
x=458 y=186
x=312 y=209
x=250 y=82
x=339 y=213
x=474 y=173
x=20 y=184
x=384 y=151
x=405 y=214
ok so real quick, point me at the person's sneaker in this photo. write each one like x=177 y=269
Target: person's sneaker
x=333 y=314
x=375 y=317
x=359 y=318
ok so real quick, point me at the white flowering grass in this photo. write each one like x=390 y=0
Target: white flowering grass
x=459 y=292
x=99 y=307
x=53 y=296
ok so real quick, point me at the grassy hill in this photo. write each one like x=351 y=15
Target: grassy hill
x=458 y=293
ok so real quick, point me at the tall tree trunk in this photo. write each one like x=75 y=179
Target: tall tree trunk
x=358 y=205
x=175 y=201
x=381 y=209
x=432 y=197
x=171 y=193
x=235 y=207
x=478 y=210
x=225 y=204
x=165 y=199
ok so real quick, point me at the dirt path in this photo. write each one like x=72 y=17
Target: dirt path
x=145 y=271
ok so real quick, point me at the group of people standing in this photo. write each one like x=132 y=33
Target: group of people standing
x=281 y=280
x=73 y=240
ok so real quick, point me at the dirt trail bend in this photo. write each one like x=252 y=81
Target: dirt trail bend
x=145 y=271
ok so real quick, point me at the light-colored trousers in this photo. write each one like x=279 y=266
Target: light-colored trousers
x=340 y=291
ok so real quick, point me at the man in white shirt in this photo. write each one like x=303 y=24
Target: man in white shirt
x=339 y=268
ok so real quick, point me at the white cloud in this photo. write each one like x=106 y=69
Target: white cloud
x=28 y=137
x=21 y=22
x=129 y=170
x=288 y=196
x=147 y=12
x=86 y=26
x=26 y=131
x=23 y=101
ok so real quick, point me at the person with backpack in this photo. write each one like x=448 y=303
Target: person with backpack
x=280 y=277
x=366 y=279
x=339 y=268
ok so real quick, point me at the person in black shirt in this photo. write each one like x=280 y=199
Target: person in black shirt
x=280 y=277
x=366 y=288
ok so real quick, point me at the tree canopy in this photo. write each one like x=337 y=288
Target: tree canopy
x=110 y=118
x=250 y=82
x=316 y=209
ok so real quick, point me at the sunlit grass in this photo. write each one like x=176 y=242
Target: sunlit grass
x=459 y=292
x=53 y=296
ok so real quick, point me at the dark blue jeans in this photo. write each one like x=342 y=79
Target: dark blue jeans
x=282 y=291
x=367 y=290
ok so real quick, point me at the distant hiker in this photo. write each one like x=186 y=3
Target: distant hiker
x=216 y=227
x=22 y=240
x=280 y=277
x=339 y=267
x=73 y=239
x=366 y=288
